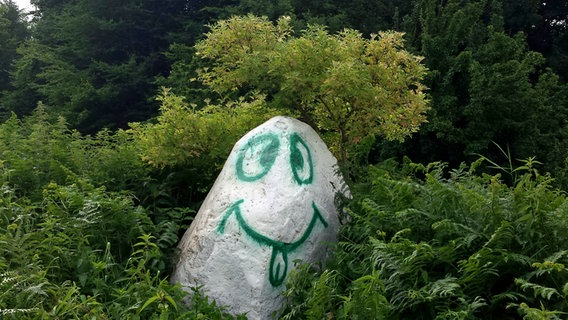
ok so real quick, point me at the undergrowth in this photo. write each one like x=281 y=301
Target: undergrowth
x=425 y=242
x=86 y=232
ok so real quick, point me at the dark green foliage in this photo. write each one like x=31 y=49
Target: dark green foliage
x=95 y=61
x=495 y=72
x=486 y=85
x=366 y=16
x=38 y=150
x=13 y=32
x=544 y=23
x=182 y=78
x=88 y=229
x=75 y=242
x=425 y=243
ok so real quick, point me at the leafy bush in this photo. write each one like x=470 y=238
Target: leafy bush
x=38 y=150
x=75 y=240
x=87 y=229
x=424 y=243
x=343 y=85
x=198 y=139
x=85 y=252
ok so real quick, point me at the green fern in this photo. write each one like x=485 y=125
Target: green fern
x=450 y=246
x=530 y=313
x=366 y=299
x=538 y=290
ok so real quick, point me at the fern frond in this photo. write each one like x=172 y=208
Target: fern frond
x=452 y=227
x=507 y=296
x=422 y=255
x=461 y=235
x=352 y=247
x=168 y=234
x=466 y=310
x=445 y=287
x=413 y=217
x=515 y=258
x=8 y=278
x=530 y=313
x=322 y=297
x=453 y=315
x=6 y=312
x=550 y=264
x=538 y=290
x=478 y=270
x=366 y=299
x=400 y=234
x=501 y=237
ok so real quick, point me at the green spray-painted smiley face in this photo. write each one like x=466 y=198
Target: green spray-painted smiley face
x=254 y=161
x=258 y=155
x=301 y=160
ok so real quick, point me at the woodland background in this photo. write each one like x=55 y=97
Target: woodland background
x=112 y=134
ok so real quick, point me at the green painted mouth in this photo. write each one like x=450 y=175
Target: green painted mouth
x=280 y=250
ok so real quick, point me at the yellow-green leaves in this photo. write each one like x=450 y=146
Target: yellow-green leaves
x=239 y=46
x=346 y=86
x=204 y=137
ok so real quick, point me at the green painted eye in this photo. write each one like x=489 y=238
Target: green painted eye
x=255 y=159
x=301 y=160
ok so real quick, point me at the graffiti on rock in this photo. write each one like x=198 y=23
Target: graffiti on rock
x=254 y=161
x=256 y=158
x=279 y=259
x=301 y=160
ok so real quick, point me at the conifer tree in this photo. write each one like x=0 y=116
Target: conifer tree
x=13 y=31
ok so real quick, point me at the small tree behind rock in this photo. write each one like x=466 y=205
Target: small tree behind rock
x=345 y=86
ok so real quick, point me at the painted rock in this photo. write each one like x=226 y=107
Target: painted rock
x=273 y=203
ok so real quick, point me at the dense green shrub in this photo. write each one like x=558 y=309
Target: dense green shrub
x=51 y=267
x=424 y=243
x=195 y=141
x=38 y=150
x=87 y=230
x=84 y=228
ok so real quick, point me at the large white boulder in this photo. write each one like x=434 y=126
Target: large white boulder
x=274 y=202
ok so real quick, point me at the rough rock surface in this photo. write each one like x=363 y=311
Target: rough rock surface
x=273 y=203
